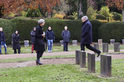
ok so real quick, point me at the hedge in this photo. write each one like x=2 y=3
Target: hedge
x=112 y=31
x=7 y=28
x=24 y=26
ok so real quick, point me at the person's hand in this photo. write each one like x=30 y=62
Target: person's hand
x=43 y=35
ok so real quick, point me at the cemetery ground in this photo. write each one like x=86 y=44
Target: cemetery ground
x=58 y=67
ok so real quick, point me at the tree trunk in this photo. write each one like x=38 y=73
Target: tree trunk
x=80 y=13
x=123 y=12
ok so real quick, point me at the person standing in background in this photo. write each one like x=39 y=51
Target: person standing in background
x=2 y=41
x=50 y=38
x=33 y=33
x=66 y=38
x=15 y=42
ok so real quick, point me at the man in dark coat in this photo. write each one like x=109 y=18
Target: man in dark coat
x=33 y=33
x=66 y=38
x=39 y=45
x=86 y=36
x=15 y=42
x=50 y=38
x=2 y=41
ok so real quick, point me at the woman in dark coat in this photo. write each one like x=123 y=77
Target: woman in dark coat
x=33 y=33
x=66 y=38
x=86 y=36
x=15 y=41
x=39 y=45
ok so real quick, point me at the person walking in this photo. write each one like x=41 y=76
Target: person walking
x=86 y=35
x=66 y=38
x=15 y=42
x=39 y=45
x=2 y=41
x=50 y=38
x=33 y=33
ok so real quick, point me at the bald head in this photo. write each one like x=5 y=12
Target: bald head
x=84 y=18
x=1 y=29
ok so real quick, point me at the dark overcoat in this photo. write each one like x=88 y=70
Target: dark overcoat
x=39 y=43
x=15 y=41
x=2 y=36
x=66 y=35
x=86 y=34
x=50 y=35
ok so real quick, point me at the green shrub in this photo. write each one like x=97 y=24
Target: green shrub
x=7 y=28
x=24 y=26
x=105 y=11
x=100 y=17
x=33 y=13
x=112 y=30
x=117 y=16
x=91 y=13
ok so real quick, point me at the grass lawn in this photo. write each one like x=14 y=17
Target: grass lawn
x=61 y=73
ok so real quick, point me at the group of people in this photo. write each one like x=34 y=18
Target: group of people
x=50 y=37
x=15 y=42
x=86 y=38
x=37 y=36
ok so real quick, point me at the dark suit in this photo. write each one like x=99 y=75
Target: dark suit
x=86 y=37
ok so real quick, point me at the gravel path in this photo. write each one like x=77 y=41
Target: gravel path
x=45 y=61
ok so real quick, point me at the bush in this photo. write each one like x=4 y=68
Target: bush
x=105 y=11
x=7 y=28
x=33 y=13
x=117 y=16
x=100 y=17
x=91 y=13
x=24 y=26
x=59 y=16
x=112 y=30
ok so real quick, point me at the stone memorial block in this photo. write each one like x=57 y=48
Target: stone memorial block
x=117 y=47
x=83 y=59
x=105 y=47
x=91 y=63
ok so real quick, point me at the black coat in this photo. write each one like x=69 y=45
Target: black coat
x=50 y=35
x=15 y=41
x=39 y=43
x=66 y=35
x=86 y=35
x=33 y=33
x=2 y=37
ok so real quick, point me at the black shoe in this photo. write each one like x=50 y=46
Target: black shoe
x=98 y=54
x=38 y=63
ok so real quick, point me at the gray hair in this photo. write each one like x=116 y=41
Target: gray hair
x=84 y=18
x=41 y=21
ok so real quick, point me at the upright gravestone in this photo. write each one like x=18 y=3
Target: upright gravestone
x=83 y=59
x=61 y=42
x=96 y=45
x=105 y=65
x=117 y=47
x=77 y=56
x=112 y=41
x=122 y=41
x=105 y=47
x=99 y=41
x=26 y=43
x=74 y=42
x=91 y=63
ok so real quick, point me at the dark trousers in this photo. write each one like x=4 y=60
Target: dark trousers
x=39 y=55
x=15 y=51
x=65 y=46
x=89 y=47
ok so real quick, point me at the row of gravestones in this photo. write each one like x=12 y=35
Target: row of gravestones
x=105 y=47
x=105 y=63
x=112 y=41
